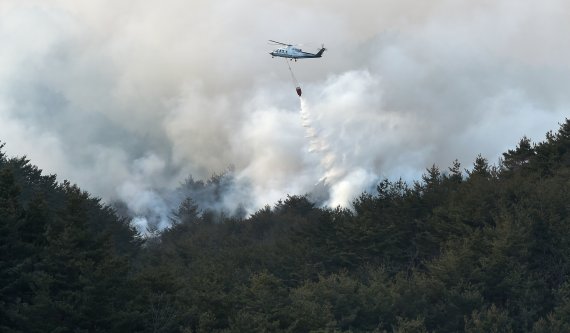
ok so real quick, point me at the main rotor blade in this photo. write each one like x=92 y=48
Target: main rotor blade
x=276 y=42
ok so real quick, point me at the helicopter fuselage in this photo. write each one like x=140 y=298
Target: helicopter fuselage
x=295 y=53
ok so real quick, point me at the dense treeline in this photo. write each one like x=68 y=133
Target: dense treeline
x=483 y=250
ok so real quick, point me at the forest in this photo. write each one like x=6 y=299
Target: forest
x=479 y=249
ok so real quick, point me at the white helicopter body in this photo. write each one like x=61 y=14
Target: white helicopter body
x=291 y=52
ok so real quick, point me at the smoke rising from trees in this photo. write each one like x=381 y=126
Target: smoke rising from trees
x=130 y=99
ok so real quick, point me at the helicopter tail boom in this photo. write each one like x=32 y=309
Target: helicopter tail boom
x=320 y=53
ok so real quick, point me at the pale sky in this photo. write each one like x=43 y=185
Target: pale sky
x=130 y=97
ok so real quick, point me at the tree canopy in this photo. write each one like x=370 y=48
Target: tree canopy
x=485 y=249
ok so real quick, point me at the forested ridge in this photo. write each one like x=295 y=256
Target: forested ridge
x=482 y=249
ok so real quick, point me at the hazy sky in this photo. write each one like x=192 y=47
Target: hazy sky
x=129 y=97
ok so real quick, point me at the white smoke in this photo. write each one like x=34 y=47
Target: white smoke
x=344 y=179
x=129 y=98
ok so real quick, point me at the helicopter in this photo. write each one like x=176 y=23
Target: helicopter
x=294 y=53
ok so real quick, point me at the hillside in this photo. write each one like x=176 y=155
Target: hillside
x=478 y=250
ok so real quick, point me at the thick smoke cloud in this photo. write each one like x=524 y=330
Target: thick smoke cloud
x=129 y=98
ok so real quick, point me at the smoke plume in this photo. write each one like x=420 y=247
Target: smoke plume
x=129 y=99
